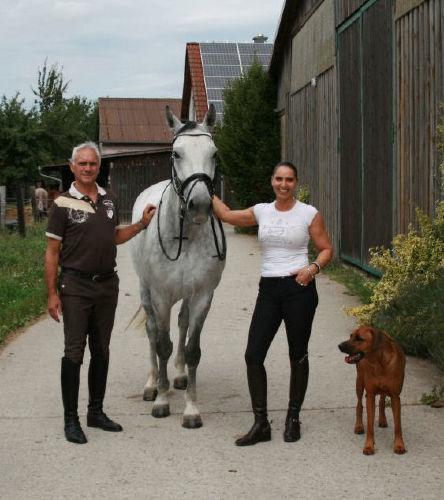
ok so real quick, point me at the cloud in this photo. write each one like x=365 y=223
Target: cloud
x=115 y=47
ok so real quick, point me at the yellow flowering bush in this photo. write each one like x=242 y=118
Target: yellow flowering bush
x=408 y=300
x=303 y=193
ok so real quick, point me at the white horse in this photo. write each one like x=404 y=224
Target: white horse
x=179 y=257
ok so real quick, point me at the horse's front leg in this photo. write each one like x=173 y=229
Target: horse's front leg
x=181 y=380
x=199 y=308
x=164 y=348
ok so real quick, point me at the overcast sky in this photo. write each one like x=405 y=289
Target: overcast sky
x=119 y=48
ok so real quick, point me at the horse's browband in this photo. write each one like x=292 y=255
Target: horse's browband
x=191 y=135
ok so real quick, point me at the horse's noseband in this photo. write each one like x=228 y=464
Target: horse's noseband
x=180 y=186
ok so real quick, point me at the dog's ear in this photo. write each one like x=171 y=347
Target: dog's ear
x=378 y=337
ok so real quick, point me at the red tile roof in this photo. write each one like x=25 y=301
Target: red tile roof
x=135 y=120
x=194 y=80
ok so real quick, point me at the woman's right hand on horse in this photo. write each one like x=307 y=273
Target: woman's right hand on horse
x=241 y=218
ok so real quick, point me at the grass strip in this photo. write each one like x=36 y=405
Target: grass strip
x=22 y=286
x=357 y=282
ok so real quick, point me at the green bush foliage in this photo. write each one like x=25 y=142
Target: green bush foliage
x=407 y=301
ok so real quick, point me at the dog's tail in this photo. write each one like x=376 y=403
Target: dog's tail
x=138 y=319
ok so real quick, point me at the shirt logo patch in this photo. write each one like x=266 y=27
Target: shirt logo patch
x=109 y=208
x=78 y=216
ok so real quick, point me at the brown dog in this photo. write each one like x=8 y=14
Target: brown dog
x=380 y=364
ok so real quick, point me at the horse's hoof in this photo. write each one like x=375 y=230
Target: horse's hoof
x=160 y=411
x=192 y=421
x=150 y=394
x=181 y=382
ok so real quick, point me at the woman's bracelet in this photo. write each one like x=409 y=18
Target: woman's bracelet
x=314 y=263
x=142 y=224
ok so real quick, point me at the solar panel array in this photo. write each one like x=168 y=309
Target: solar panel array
x=224 y=61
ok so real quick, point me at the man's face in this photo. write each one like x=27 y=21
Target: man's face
x=85 y=166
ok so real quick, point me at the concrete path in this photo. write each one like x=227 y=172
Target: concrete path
x=158 y=459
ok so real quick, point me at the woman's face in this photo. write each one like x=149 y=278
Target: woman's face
x=284 y=183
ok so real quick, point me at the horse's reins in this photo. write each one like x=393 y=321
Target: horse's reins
x=179 y=188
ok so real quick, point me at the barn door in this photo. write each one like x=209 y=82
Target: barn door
x=366 y=130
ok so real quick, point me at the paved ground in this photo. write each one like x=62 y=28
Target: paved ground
x=157 y=458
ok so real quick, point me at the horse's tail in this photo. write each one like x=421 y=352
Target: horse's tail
x=138 y=319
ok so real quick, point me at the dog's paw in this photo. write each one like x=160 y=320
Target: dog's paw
x=399 y=448
x=359 y=429
x=383 y=423
x=369 y=448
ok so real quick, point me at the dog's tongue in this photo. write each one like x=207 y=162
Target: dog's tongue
x=348 y=359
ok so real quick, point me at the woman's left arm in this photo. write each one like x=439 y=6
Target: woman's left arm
x=321 y=240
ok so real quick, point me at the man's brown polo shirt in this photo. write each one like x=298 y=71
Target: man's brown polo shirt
x=86 y=230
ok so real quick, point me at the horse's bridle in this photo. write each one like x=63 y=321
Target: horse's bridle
x=179 y=187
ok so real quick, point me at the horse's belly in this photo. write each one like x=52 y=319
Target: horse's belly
x=180 y=280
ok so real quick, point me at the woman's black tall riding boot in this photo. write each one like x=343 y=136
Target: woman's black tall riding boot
x=70 y=378
x=97 y=376
x=298 y=387
x=257 y=383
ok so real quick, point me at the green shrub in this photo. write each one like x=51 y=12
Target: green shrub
x=407 y=301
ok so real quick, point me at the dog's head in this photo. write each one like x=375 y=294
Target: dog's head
x=363 y=340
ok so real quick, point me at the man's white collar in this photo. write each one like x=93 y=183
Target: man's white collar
x=73 y=191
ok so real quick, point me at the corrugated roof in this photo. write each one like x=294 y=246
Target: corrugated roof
x=194 y=79
x=135 y=120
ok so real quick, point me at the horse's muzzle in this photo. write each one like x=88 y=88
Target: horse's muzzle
x=199 y=210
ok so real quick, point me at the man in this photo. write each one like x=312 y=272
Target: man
x=83 y=231
x=41 y=201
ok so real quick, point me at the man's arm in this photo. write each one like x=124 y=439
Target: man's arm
x=125 y=233
x=52 y=256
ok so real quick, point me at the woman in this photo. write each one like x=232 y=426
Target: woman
x=287 y=291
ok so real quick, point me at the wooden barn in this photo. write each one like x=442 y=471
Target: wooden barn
x=360 y=87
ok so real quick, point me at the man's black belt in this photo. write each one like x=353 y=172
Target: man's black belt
x=89 y=276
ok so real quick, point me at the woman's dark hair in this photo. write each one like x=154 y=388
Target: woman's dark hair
x=286 y=164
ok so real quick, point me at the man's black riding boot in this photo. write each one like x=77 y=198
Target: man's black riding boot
x=70 y=378
x=298 y=387
x=97 y=376
x=257 y=383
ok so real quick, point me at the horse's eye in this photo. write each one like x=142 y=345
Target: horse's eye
x=176 y=155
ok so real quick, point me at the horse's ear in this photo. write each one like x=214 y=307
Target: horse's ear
x=210 y=118
x=174 y=123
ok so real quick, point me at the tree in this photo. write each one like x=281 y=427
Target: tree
x=64 y=121
x=248 y=139
x=20 y=149
x=50 y=87
x=20 y=142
